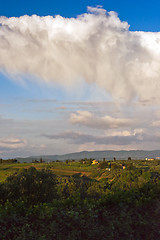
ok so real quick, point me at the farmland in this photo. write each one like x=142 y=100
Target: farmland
x=79 y=200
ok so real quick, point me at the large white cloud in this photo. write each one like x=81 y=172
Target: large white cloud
x=95 y=46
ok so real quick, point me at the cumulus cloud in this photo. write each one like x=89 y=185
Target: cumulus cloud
x=90 y=120
x=96 y=47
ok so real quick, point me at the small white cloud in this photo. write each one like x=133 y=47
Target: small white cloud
x=90 y=120
x=120 y=133
x=156 y=123
x=61 y=108
x=97 y=10
x=12 y=143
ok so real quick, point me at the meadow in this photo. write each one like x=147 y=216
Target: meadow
x=79 y=200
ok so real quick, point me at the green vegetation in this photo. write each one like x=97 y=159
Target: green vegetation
x=78 y=200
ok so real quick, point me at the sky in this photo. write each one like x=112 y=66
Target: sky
x=77 y=76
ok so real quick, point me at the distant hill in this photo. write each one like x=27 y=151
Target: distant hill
x=99 y=155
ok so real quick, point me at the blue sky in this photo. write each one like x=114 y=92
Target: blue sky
x=73 y=83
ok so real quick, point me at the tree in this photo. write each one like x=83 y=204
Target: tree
x=103 y=164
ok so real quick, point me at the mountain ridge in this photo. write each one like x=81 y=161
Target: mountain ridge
x=99 y=155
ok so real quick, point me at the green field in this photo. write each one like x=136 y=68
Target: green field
x=59 y=168
x=63 y=169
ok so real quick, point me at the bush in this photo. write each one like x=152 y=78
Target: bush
x=31 y=186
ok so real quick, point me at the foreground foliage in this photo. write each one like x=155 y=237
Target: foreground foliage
x=122 y=204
